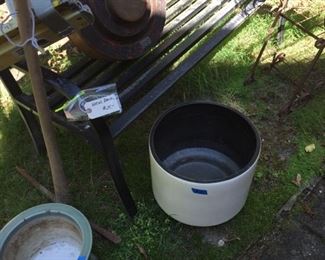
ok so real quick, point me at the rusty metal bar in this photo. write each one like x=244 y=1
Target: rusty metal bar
x=106 y=233
x=280 y=8
x=299 y=26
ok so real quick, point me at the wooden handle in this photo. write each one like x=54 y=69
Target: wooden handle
x=108 y=234
x=24 y=20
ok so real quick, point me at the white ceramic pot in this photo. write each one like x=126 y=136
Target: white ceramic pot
x=47 y=232
x=203 y=157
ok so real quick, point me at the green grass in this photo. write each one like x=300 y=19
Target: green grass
x=219 y=78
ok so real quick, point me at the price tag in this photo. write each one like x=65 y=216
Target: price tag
x=103 y=106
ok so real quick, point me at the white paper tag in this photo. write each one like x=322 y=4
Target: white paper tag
x=103 y=106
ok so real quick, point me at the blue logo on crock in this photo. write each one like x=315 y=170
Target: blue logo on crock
x=200 y=191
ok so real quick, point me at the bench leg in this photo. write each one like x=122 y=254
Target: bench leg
x=28 y=117
x=112 y=160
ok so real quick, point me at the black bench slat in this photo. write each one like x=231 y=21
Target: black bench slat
x=170 y=3
x=90 y=71
x=185 y=16
x=62 y=85
x=111 y=72
x=79 y=66
x=175 y=9
x=178 y=51
x=164 y=46
x=138 y=108
x=107 y=75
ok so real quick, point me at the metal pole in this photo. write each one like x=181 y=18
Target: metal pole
x=24 y=20
x=251 y=77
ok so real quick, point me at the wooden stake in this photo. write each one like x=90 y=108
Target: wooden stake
x=24 y=20
x=104 y=232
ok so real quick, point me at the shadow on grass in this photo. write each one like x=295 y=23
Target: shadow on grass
x=93 y=191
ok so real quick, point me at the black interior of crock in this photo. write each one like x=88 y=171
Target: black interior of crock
x=205 y=125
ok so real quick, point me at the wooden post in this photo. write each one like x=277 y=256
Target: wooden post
x=24 y=20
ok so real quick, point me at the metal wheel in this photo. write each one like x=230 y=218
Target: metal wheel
x=123 y=29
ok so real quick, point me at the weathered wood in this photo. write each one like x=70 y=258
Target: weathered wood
x=24 y=20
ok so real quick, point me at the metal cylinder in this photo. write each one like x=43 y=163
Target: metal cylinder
x=203 y=157
x=123 y=29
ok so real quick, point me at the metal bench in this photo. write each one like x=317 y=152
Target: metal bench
x=188 y=23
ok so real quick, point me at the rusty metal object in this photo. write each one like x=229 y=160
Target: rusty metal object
x=36 y=184
x=277 y=14
x=128 y=10
x=123 y=30
x=300 y=93
x=277 y=58
x=104 y=232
